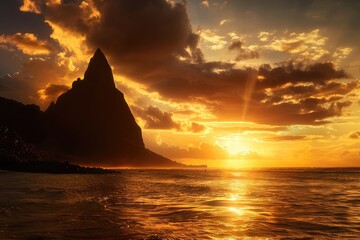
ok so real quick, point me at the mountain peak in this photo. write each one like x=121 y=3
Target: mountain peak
x=99 y=54
x=99 y=70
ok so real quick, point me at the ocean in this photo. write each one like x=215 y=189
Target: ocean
x=182 y=204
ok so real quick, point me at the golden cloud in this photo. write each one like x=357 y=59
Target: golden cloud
x=212 y=40
x=28 y=43
x=304 y=45
x=205 y=3
x=202 y=151
x=33 y=6
x=225 y=21
x=52 y=91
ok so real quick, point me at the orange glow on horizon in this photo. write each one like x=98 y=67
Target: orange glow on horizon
x=234 y=145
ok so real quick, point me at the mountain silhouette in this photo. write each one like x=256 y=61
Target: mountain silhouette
x=91 y=123
x=93 y=117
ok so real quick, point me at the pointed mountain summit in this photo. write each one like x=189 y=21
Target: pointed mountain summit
x=93 y=122
x=99 y=71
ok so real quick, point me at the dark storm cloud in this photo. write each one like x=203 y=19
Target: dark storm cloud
x=242 y=53
x=54 y=90
x=201 y=80
x=246 y=55
x=235 y=45
x=283 y=95
x=155 y=118
x=319 y=74
x=140 y=37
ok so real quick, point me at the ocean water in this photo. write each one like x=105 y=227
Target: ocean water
x=182 y=204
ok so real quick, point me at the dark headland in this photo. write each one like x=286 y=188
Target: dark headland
x=91 y=125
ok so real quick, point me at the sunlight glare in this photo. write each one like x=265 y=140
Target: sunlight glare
x=238 y=211
x=234 y=145
x=233 y=198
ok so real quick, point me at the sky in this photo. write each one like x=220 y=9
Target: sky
x=227 y=83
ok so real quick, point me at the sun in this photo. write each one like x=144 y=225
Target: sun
x=234 y=145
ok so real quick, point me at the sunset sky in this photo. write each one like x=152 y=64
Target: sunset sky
x=227 y=83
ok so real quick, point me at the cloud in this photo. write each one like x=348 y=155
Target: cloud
x=153 y=118
x=140 y=38
x=202 y=151
x=196 y=127
x=212 y=40
x=152 y=42
x=235 y=45
x=305 y=46
x=318 y=73
x=285 y=138
x=242 y=52
x=52 y=91
x=38 y=81
x=205 y=3
x=33 y=6
x=288 y=94
x=341 y=53
x=156 y=119
x=266 y=128
x=264 y=36
x=234 y=36
x=354 y=135
x=225 y=21
x=28 y=43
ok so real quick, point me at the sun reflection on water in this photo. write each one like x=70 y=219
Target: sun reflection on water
x=178 y=204
x=238 y=211
x=233 y=198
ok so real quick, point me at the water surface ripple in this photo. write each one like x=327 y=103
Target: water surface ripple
x=182 y=204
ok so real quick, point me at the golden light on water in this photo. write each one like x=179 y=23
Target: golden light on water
x=238 y=211
x=234 y=198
